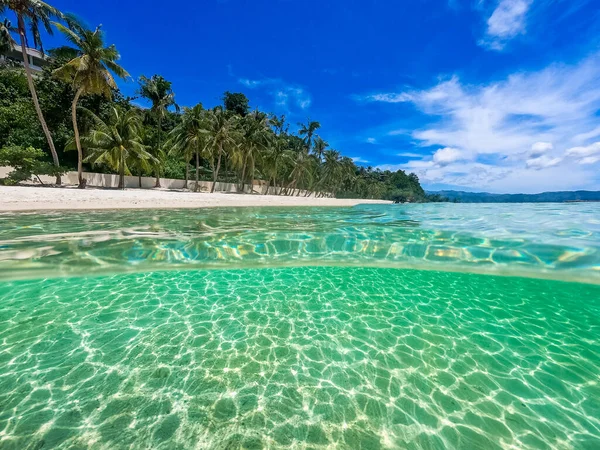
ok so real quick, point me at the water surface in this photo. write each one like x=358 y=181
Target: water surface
x=559 y=241
x=302 y=328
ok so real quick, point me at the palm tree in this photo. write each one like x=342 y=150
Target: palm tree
x=308 y=130
x=254 y=140
x=159 y=92
x=279 y=124
x=141 y=165
x=89 y=72
x=189 y=138
x=7 y=43
x=116 y=142
x=34 y=13
x=222 y=135
x=276 y=154
x=319 y=147
x=302 y=173
x=347 y=173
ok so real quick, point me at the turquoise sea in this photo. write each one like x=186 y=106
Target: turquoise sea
x=435 y=326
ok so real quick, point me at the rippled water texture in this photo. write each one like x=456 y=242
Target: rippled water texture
x=300 y=357
x=302 y=328
x=541 y=240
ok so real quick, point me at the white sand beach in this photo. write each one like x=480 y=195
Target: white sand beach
x=29 y=198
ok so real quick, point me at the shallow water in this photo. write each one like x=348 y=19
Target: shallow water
x=326 y=354
x=558 y=241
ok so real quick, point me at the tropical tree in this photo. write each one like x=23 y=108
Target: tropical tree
x=236 y=103
x=115 y=142
x=254 y=140
x=222 y=135
x=189 y=138
x=279 y=124
x=308 y=130
x=31 y=14
x=302 y=167
x=7 y=43
x=319 y=147
x=141 y=165
x=159 y=92
x=347 y=173
x=89 y=72
x=274 y=158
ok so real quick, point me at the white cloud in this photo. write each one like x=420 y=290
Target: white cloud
x=512 y=134
x=539 y=148
x=292 y=95
x=371 y=140
x=284 y=94
x=447 y=155
x=585 y=155
x=542 y=162
x=385 y=97
x=587 y=135
x=410 y=155
x=506 y=22
x=251 y=83
x=358 y=159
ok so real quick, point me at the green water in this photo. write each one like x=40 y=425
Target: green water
x=266 y=329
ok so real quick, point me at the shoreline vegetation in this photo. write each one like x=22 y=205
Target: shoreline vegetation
x=73 y=115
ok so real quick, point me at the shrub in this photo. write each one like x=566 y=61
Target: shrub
x=26 y=163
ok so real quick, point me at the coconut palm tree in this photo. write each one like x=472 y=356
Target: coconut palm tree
x=31 y=14
x=116 y=142
x=255 y=134
x=302 y=173
x=308 y=130
x=347 y=173
x=141 y=165
x=273 y=159
x=319 y=147
x=222 y=136
x=189 y=138
x=279 y=124
x=159 y=92
x=89 y=72
x=332 y=171
x=7 y=43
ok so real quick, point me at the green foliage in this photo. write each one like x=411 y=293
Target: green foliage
x=236 y=103
x=7 y=42
x=26 y=163
x=159 y=92
x=227 y=143
x=91 y=69
x=116 y=143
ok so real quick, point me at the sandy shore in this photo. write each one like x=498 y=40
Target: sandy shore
x=25 y=198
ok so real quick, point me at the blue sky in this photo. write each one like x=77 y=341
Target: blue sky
x=495 y=95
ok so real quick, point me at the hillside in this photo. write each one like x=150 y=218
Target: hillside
x=546 y=197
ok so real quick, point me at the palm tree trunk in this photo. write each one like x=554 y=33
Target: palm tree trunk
x=157 y=175
x=291 y=184
x=252 y=178
x=157 y=166
x=187 y=174
x=197 y=169
x=36 y=102
x=244 y=176
x=77 y=140
x=122 y=172
x=216 y=173
x=140 y=179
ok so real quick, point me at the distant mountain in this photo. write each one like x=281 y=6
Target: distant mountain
x=486 y=197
